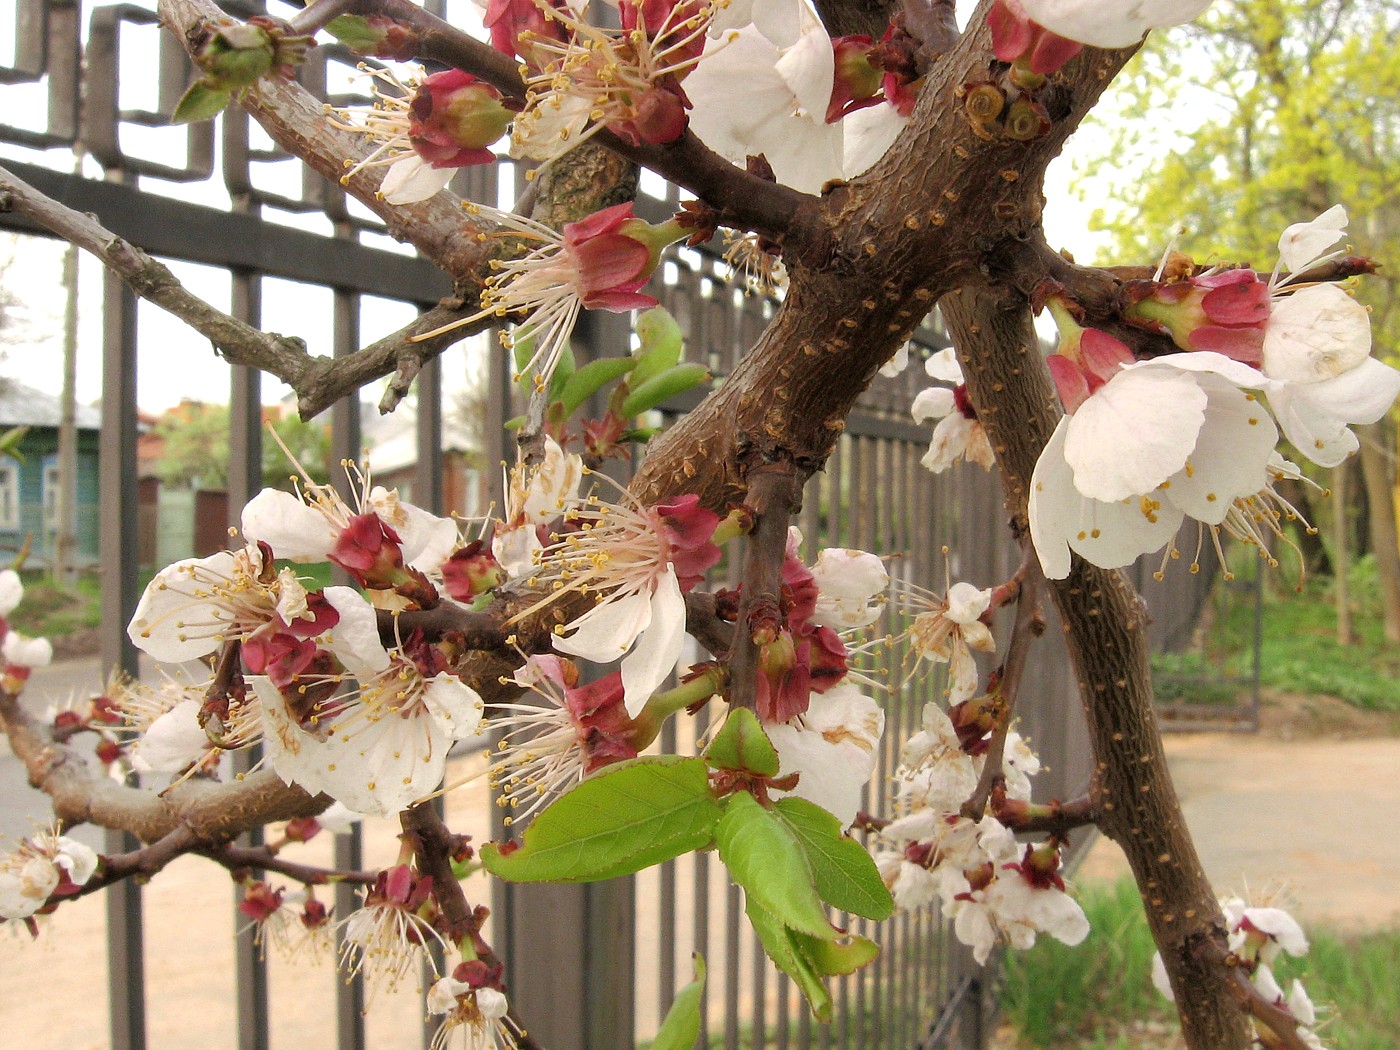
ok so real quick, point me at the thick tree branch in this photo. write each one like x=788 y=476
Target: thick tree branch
x=935 y=212
x=1105 y=630
x=775 y=491
x=208 y=811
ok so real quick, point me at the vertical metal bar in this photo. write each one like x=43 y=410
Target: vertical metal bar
x=244 y=481
x=666 y=908
x=118 y=545
x=700 y=908
x=731 y=968
x=428 y=485
x=427 y=471
x=349 y=848
x=758 y=984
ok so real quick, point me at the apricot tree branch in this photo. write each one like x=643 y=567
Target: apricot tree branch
x=775 y=491
x=1013 y=668
x=283 y=356
x=204 y=809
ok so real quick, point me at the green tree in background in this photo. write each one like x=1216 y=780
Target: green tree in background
x=1276 y=110
x=197 y=452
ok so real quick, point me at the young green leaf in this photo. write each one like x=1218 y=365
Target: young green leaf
x=833 y=958
x=657 y=389
x=355 y=32
x=741 y=744
x=780 y=944
x=661 y=344
x=766 y=859
x=200 y=103
x=682 y=1025
x=845 y=874
x=591 y=378
x=626 y=818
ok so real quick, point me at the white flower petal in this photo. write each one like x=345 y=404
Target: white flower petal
x=76 y=858
x=944 y=366
x=1110 y=25
x=606 y=632
x=172 y=741
x=355 y=638
x=950 y=442
x=1134 y=432
x=933 y=402
x=23 y=651
x=172 y=599
x=1303 y=243
x=1231 y=458
x=456 y=706
x=658 y=647
x=292 y=529
x=412 y=179
x=1314 y=334
x=12 y=590
x=833 y=746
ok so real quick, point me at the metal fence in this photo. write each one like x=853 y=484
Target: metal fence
x=591 y=966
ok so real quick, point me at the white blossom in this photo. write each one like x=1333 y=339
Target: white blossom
x=833 y=745
x=1118 y=24
x=850 y=586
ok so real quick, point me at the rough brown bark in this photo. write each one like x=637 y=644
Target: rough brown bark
x=1105 y=630
x=867 y=262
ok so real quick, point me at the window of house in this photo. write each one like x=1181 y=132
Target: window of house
x=51 y=495
x=9 y=496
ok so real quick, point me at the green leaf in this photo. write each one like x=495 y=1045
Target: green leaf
x=200 y=103
x=354 y=32
x=661 y=344
x=659 y=388
x=565 y=368
x=845 y=874
x=780 y=944
x=742 y=744
x=591 y=378
x=682 y=1025
x=766 y=859
x=833 y=958
x=626 y=818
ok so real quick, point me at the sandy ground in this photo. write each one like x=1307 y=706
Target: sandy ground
x=1271 y=813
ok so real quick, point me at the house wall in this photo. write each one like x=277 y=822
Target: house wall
x=39 y=449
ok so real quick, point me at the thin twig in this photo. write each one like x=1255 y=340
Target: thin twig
x=433 y=845
x=283 y=356
x=317 y=15
x=1023 y=633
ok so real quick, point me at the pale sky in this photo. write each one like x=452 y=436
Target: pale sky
x=177 y=363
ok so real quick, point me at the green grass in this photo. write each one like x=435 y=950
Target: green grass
x=50 y=611
x=1300 y=653
x=1054 y=993
x=1087 y=998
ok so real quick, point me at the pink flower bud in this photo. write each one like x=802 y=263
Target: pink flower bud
x=454 y=117
x=857 y=82
x=516 y=24
x=1018 y=40
x=1226 y=312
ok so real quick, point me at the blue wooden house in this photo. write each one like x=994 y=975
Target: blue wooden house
x=29 y=484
